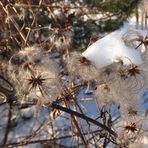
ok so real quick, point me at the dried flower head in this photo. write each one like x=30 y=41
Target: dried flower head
x=37 y=77
x=80 y=66
x=133 y=70
x=130 y=108
x=84 y=61
x=134 y=77
x=45 y=89
x=124 y=82
x=135 y=39
x=131 y=127
x=129 y=132
x=36 y=82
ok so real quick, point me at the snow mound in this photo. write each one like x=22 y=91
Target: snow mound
x=110 y=49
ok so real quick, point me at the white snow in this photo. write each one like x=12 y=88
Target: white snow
x=111 y=49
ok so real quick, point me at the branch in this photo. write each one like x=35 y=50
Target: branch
x=22 y=143
x=8 y=125
x=71 y=112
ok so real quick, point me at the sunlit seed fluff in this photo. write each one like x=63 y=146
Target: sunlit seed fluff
x=33 y=54
x=130 y=109
x=128 y=132
x=77 y=66
x=61 y=39
x=117 y=83
x=130 y=78
x=134 y=84
x=137 y=144
x=106 y=94
x=108 y=87
x=144 y=68
x=46 y=91
x=30 y=51
x=133 y=38
x=38 y=67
